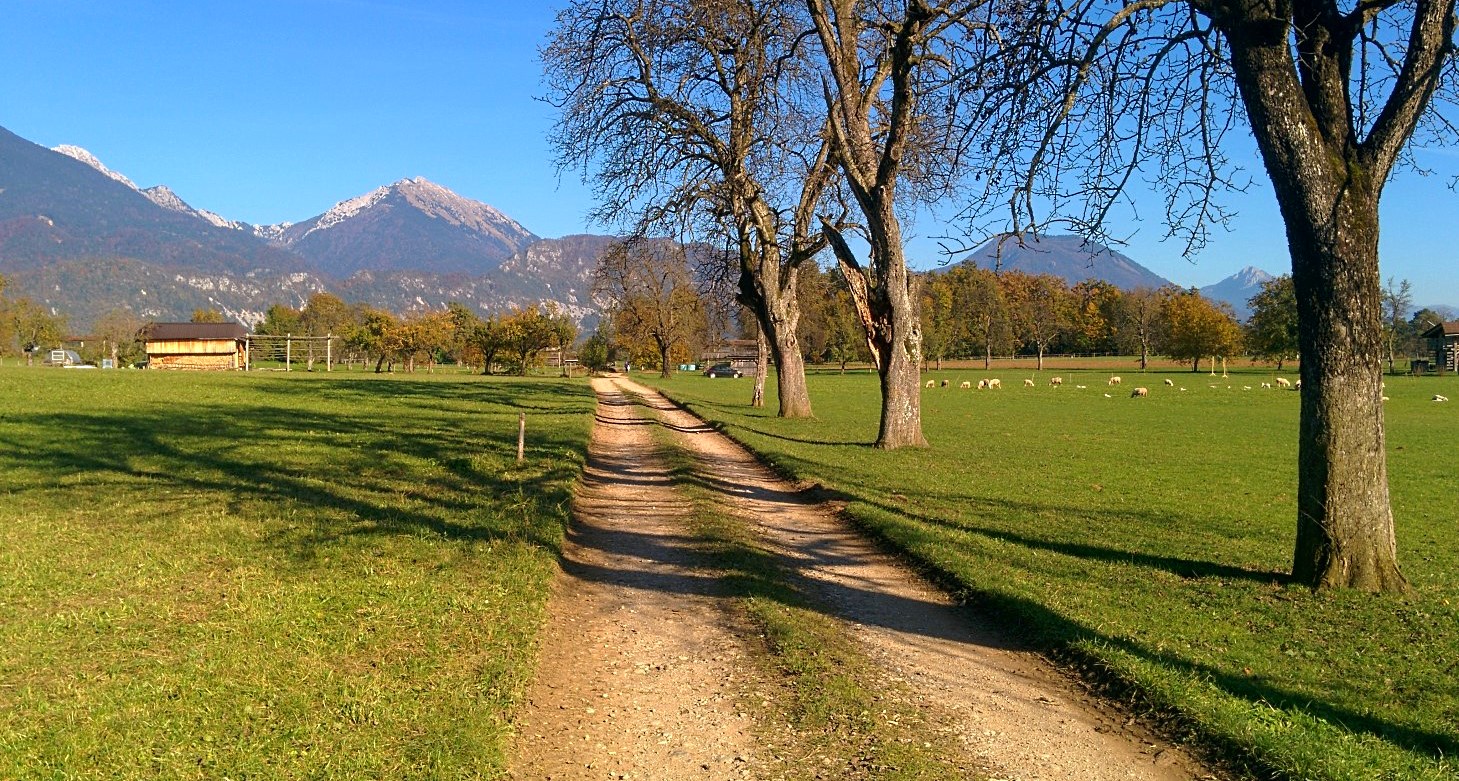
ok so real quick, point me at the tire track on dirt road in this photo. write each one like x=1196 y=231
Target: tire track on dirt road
x=1007 y=705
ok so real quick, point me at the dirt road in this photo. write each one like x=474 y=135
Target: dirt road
x=643 y=673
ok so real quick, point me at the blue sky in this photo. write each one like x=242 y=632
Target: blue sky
x=273 y=111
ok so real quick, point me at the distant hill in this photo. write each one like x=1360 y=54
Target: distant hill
x=1238 y=289
x=83 y=240
x=1070 y=258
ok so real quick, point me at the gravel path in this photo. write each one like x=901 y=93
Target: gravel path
x=639 y=672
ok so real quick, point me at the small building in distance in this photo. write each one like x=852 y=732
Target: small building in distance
x=1444 y=339
x=739 y=353
x=196 y=346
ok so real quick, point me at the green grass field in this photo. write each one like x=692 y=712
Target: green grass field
x=1149 y=540
x=273 y=576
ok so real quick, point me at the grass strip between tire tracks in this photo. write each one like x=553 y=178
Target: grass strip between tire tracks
x=843 y=718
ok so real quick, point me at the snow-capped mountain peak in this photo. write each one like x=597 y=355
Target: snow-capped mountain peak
x=1252 y=276
x=441 y=203
x=83 y=156
x=346 y=209
x=163 y=196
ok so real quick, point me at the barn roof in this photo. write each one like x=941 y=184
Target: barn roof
x=169 y=332
x=1442 y=330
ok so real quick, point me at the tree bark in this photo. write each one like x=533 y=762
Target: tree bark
x=1327 y=185
x=762 y=367
x=1345 y=534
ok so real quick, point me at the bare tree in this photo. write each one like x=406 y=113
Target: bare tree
x=651 y=297
x=686 y=111
x=1332 y=93
x=891 y=87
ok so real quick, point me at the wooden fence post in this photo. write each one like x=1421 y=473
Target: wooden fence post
x=521 y=436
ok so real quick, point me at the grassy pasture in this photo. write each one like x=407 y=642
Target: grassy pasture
x=273 y=576
x=1150 y=539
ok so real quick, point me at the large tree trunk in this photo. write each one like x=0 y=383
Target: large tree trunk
x=784 y=318
x=901 y=383
x=1344 y=520
x=1328 y=186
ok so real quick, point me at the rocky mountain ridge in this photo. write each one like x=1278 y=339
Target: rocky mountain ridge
x=84 y=240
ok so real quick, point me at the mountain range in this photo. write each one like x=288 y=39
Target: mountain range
x=83 y=240
x=1075 y=259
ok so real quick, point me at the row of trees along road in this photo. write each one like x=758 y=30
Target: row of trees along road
x=451 y=335
x=783 y=126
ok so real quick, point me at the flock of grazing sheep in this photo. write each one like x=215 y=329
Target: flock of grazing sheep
x=1057 y=381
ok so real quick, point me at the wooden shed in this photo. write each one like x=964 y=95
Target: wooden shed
x=196 y=346
x=739 y=353
x=1444 y=338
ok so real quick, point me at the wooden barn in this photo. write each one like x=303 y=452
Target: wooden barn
x=196 y=346
x=1444 y=338
x=739 y=353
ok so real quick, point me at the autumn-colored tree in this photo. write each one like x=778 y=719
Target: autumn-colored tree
x=1094 y=304
x=372 y=337
x=528 y=331
x=652 y=299
x=941 y=324
x=208 y=315
x=280 y=320
x=980 y=301
x=1040 y=307
x=26 y=326
x=326 y=314
x=1196 y=328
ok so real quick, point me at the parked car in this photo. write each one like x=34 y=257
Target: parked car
x=722 y=370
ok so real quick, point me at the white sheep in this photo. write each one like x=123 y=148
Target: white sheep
x=1182 y=389
x=1080 y=387
x=1169 y=383
x=1107 y=396
x=1266 y=385
x=932 y=383
x=945 y=383
x=1028 y=383
x=1139 y=392
x=983 y=385
x=1283 y=382
x=995 y=383
x=1056 y=381
x=1437 y=397
x=1115 y=380
x=1297 y=385
x=966 y=385
x=1246 y=387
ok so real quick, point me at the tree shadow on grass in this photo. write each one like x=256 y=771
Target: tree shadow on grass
x=1052 y=630
x=400 y=467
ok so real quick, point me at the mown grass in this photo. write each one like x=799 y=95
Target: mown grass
x=1149 y=538
x=844 y=719
x=273 y=576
